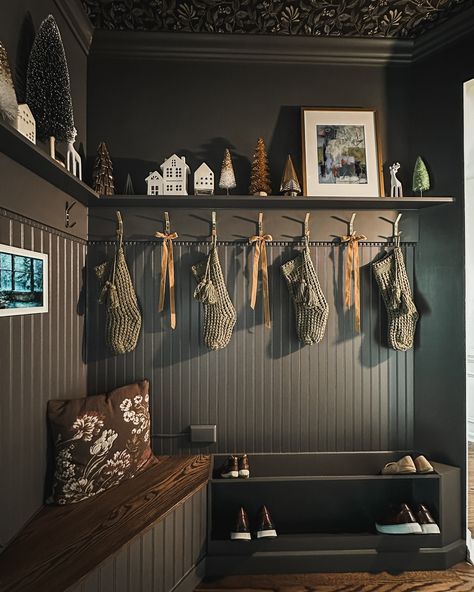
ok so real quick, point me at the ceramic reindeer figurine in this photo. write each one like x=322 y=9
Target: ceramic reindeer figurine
x=73 y=160
x=396 y=189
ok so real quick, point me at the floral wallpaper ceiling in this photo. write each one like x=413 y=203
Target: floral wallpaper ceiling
x=354 y=18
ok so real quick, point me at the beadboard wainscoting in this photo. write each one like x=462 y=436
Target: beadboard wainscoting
x=41 y=358
x=265 y=391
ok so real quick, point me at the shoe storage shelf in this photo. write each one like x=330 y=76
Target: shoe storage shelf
x=324 y=506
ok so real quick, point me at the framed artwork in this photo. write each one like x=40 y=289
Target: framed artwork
x=341 y=153
x=23 y=281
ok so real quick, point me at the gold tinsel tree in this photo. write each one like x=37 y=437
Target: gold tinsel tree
x=8 y=102
x=260 y=176
x=289 y=182
x=102 y=175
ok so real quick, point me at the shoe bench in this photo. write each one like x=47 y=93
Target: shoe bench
x=149 y=533
x=324 y=506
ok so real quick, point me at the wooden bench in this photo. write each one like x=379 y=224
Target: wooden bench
x=62 y=544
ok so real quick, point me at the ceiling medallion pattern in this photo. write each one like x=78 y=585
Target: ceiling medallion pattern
x=356 y=18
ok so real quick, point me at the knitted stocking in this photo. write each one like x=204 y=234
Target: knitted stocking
x=392 y=279
x=311 y=307
x=124 y=320
x=219 y=312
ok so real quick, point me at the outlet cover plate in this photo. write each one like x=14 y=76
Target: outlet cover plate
x=201 y=434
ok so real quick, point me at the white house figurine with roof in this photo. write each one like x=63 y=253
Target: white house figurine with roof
x=154 y=183
x=175 y=175
x=203 y=180
x=25 y=123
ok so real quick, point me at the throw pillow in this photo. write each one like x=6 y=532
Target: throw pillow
x=99 y=441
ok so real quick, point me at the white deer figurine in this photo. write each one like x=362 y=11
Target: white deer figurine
x=396 y=189
x=73 y=160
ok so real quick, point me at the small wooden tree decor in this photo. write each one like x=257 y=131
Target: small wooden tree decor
x=260 y=176
x=8 y=102
x=103 y=178
x=227 y=179
x=421 y=177
x=290 y=185
x=48 y=89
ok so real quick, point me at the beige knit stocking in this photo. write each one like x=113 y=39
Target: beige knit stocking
x=219 y=312
x=312 y=309
x=392 y=279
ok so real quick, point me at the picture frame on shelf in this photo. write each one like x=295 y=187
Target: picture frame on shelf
x=342 y=155
x=23 y=281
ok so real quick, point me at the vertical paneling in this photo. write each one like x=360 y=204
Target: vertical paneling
x=41 y=358
x=265 y=391
x=160 y=557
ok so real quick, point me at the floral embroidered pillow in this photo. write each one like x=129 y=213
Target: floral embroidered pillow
x=99 y=441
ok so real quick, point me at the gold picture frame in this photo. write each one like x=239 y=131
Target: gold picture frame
x=342 y=155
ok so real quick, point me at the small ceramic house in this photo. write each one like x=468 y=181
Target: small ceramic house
x=154 y=183
x=25 y=123
x=175 y=175
x=204 y=180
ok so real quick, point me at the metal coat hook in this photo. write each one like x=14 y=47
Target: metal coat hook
x=306 y=225
x=260 y=224
x=67 y=216
x=351 y=224
x=396 y=232
x=214 y=225
x=167 y=223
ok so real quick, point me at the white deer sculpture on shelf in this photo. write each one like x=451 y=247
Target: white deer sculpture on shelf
x=396 y=189
x=73 y=160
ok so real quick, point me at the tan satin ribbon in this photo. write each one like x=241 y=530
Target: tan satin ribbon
x=352 y=267
x=260 y=241
x=167 y=268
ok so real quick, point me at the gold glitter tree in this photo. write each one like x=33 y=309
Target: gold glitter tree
x=8 y=102
x=103 y=179
x=227 y=180
x=260 y=176
x=289 y=183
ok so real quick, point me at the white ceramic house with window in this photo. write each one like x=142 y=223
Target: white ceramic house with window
x=25 y=123
x=175 y=175
x=204 y=180
x=154 y=183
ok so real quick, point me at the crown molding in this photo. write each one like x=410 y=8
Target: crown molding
x=251 y=48
x=441 y=36
x=74 y=14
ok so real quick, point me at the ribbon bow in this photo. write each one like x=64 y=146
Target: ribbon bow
x=167 y=268
x=352 y=268
x=260 y=241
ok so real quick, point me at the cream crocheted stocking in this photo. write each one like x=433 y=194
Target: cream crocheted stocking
x=392 y=279
x=219 y=312
x=312 y=309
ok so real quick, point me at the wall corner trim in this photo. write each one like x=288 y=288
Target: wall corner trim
x=251 y=48
x=78 y=22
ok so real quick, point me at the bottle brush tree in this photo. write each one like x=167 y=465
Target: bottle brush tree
x=260 y=175
x=48 y=89
x=8 y=102
x=103 y=173
x=421 y=177
x=227 y=179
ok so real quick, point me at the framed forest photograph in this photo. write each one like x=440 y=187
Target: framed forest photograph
x=23 y=281
x=341 y=153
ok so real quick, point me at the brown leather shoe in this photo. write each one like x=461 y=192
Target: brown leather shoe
x=241 y=531
x=244 y=467
x=399 y=520
x=426 y=520
x=230 y=469
x=266 y=528
x=404 y=466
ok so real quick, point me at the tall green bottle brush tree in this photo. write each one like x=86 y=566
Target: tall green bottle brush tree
x=421 y=177
x=48 y=88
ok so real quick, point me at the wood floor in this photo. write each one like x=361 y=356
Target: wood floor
x=458 y=579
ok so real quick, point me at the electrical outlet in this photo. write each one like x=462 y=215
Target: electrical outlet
x=203 y=434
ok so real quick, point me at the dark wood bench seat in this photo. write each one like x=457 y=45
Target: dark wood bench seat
x=61 y=544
